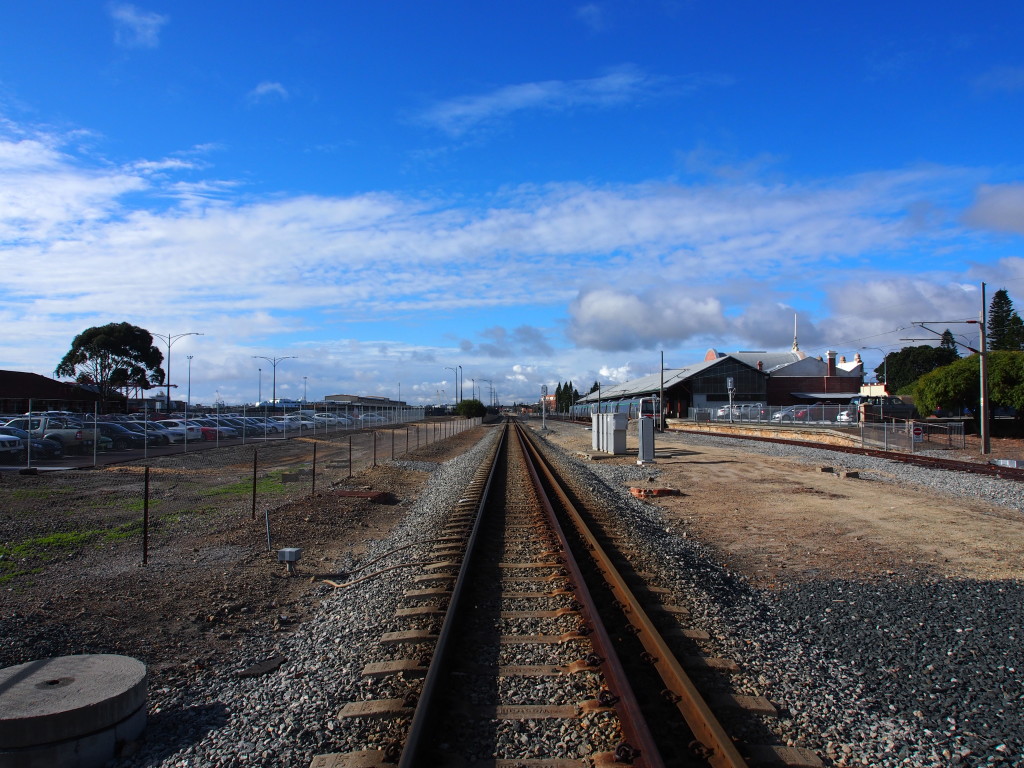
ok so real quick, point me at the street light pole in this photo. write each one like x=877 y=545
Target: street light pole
x=169 y=339
x=455 y=373
x=259 y=391
x=273 y=364
x=303 y=390
x=188 y=397
x=462 y=392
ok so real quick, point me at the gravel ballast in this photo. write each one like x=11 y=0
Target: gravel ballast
x=896 y=671
x=286 y=717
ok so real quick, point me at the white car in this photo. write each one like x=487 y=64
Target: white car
x=289 y=423
x=330 y=419
x=182 y=430
x=372 y=418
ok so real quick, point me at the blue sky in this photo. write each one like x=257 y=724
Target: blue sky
x=536 y=191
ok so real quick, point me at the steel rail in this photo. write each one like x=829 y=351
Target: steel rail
x=722 y=752
x=414 y=753
x=635 y=729
x=930 y=462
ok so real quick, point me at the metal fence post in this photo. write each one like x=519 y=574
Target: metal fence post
x=313 y=492
x=374 y=448
x=350 y=455
x=145 y=520
x=254 y=454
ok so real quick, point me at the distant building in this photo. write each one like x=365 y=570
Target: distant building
x=20 y=390
x=365 y=401
x=770 y=378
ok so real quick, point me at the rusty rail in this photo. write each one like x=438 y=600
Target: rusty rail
x=721 y=752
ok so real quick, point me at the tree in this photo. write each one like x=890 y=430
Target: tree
x=471 y=408
x=949 y=342
x=1005 y=329
x=957 y=385
x=565 y=396
x=595 y=387
x=901 y=369
x=112 y=356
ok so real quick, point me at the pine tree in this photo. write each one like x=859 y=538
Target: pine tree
x=1005 y=328
x=949 y=343
x=558 y=397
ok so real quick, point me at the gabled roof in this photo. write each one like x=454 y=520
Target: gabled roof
x=20 y=385
x=770 y=361
x=651 y=383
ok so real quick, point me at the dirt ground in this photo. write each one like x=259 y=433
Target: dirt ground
x=211 y=591
x=778 y=521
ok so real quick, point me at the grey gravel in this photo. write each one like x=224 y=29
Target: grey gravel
x=897 y=672
x=891 y=673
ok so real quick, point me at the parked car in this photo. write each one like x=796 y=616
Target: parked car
x=822 y=412
x=265 y=426
x=212 y=430
x=879 y=408
x=121 y=438
x=290 y=424
x=785 y=414
x=327 y=419
x=240 y=425
x=156 y=435
x=372 y=418
x=185 y=430
x=10 y=448
x=70 y=434
x=41 y=447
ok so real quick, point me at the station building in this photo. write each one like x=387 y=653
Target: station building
x=769 y=378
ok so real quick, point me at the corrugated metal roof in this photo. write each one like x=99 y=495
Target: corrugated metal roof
x=771 y=361
x=650 y=384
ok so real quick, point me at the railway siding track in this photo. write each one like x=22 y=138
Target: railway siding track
x=528 y=646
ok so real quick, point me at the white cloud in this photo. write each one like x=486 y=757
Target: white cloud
x=999 y=207
x=614 y=268
x=593 y=16
x=268 y=90
x=621 y=86
x=134 y=27
x=1000 y=79
x=617 y=319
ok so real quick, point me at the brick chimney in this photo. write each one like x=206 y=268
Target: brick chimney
x=831 y=357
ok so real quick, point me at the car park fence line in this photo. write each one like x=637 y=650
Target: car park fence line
x=153 y=505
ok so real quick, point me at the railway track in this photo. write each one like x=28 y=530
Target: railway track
x=917 y=459
x=533 y=644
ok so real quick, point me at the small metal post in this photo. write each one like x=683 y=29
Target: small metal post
x=375 y=448
x=254 y=454
x=145 y=520
x=313 y=492
x=406 y=439
x=392 y=445
x=350 y=455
